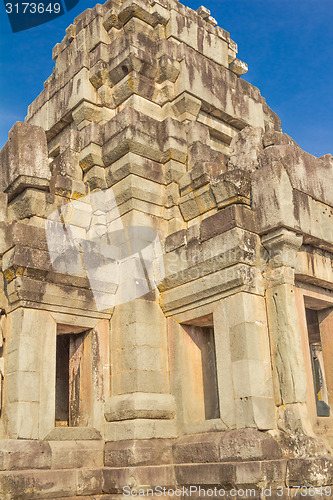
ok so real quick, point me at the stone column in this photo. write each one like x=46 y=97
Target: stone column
x=140 y=394
x=287 y=353
x=325 y=318
x=289 y=370
x=243 y=362
x=29 y=391
x=284 y=324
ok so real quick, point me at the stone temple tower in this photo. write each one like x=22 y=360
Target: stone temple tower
x=166 y=282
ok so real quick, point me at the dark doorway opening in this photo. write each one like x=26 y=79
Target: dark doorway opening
x=62 y=381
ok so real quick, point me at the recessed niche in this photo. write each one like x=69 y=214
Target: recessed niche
x=200 y=387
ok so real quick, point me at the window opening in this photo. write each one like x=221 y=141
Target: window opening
x=317 y=363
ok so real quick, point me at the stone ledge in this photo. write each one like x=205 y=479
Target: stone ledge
x=229 y=446
x=73 y=434
x=101 y=481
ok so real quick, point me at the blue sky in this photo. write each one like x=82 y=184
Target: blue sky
x=287 y=44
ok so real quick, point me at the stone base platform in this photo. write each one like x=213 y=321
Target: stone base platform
x=234 y=464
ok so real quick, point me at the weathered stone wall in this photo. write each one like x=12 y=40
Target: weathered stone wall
x=205 y=378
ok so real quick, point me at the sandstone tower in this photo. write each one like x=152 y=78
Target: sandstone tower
x=166 y=273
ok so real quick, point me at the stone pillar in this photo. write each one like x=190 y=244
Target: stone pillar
x=283 y=319
x=287 y=353
x=140 y=391
x=243 y=362
x=289 y=370
x=325 y=318
x=29 y=391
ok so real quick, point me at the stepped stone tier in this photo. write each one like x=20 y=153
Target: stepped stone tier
x=166 y=274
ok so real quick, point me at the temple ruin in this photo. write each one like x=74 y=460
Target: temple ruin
x=166 y=274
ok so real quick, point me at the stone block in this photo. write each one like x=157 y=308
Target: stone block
x=310 y=472
x=116 y=479
x=205 y=162
x=131 y=59
x=175 y=240
x=282 y=246
x=6 y=238
x=198 y=290
x=3 y=207
x=22 y=165
x=197 y=448
x=139 y=335
x=112 y=20
x=134 y=187
x=307 y=174
x=19 y=258
x=245 y=148
x=275 y=138
x=73 y=434
x=70 y=139
x=313 y=219
x=248 y=444
x=23 y=417
x=247 y=341
x=19 y=454
x=76 y=454
x=246 y=308
x=141 y=381
x=226 y=219
x=204 y=199
x=245 y=110
x=140 y=429
x=257 y=412
x=238 y=67
x=186 y=106
x=37 y=484
x=67 y=164
x=95 y=178
x=140 y=311
x=205 y=475
x=198 y=259
x=261 y=474
x=95 y=33
x=174 y=170
x=68 y=188
x=172 y=195
x=140 y=358
x=31 y=203
x=232 y=187
x=140 y=405
x=250 y=378
x=86 y=112
x=89 y=482
x=22 y=386
x=203 y=12
x=210 y=44
x=136 y=165
x=150 y=15
x=272 y=205
x=229 y=446
x=138 y=452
